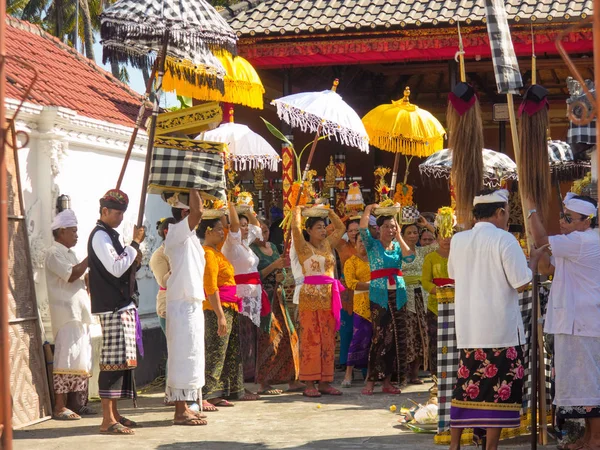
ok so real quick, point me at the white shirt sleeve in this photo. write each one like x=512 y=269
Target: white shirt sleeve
x=514 y=262
x=565 y=246
x=450 y=264
x=254 y=233
x=232 y=244
x=177 y=235
x=114 y=263
x=58 y=265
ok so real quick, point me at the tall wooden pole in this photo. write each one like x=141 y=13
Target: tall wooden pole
x=5 y=395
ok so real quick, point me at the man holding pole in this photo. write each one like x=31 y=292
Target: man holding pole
x=489 y=268
x=573 y=314
x=114 y=296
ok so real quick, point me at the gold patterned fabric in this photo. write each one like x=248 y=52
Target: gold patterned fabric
x=356 y=270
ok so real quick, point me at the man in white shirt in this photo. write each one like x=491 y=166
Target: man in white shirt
x=70 y=314
x=185 y=324
x=114 y=296
x=489 y=267
x=573 y=314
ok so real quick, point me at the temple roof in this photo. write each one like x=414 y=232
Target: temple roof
x=254 y=17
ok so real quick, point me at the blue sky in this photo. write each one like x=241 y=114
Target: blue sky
x=136 y=81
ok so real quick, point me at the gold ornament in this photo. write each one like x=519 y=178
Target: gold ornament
x=330 y=174
x=259 y=178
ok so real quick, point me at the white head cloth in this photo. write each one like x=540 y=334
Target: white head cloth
x=499 y=196
x=64 y=219
x=372 y=221
x=579 y=206
x=174 y=202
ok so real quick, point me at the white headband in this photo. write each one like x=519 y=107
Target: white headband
x=500 y=196
x=174 y=202
x=579 y=206
x=372 y=221
x=64 y=219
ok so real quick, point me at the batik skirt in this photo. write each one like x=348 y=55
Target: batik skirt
x=224 y=376
x=489 y=388
x=358 y=352
x=278 y=358
x=387 y=355
x=118 y=356
x=416 y=330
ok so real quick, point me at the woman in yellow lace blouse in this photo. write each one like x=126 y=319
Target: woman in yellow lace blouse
x=223 y=360
x=320 y=303
x=357 y=274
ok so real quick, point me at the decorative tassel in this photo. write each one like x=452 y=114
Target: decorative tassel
x=533 y=166
x=465 y=130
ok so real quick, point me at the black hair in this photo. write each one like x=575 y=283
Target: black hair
x=177 y=213
x=311 y=222
x=487 y=210
x=350 y=222
x=55 y=233
x=242 y=216
x=162 y=225
x=586 y=198
x=383 y=219
x=204 y=225
x=427 y=230
x=407 y=226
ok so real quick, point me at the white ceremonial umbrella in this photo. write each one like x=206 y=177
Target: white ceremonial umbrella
x=248 y=150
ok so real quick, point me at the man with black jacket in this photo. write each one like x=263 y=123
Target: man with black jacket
x=114 y=297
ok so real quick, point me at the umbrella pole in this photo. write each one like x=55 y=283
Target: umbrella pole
x=560 y=200
x=304 y=175
x=395 y=174
x=138 y=121
x=161 y=72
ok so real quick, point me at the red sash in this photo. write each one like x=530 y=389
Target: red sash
x=439 y=282
x=386 y=273
x=161 y=288
x=254 y=278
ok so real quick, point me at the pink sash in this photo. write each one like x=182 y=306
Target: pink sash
x=336 y=289
x=227 y=294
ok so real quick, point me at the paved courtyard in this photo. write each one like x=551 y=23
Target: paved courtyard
x=289 y=421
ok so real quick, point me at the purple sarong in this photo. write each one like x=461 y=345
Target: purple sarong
x=358 y=352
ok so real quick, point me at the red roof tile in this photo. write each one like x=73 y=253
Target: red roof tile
x=65 y=77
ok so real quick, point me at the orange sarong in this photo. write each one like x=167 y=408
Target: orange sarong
x=317 y=345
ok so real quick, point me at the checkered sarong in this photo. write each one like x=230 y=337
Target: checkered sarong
x=449 y=355
x=184 y=164
x=581 y=134
x=119 y=350
x=506 y=66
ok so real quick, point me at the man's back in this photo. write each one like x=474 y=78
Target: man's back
x=488 y=265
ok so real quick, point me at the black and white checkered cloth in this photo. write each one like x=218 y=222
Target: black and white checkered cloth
x=496 y=166
x=140 y=26
x=449 y=356
x=581 y=134
x=506 y=66
x=119 y=350
x=184 y=164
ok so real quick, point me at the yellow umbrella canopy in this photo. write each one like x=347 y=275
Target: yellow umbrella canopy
x=241 y=83
x=404 y=128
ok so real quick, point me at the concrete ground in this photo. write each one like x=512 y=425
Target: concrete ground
x=289 y=421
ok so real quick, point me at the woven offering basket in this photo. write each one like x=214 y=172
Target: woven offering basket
x=316 y=212
x=386 y=211
x=209 y=214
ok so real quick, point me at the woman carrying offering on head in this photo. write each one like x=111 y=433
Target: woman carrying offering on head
x=320 y=303
x=387 y=294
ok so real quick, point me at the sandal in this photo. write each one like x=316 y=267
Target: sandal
x=366 y=391
x=416 y=381
x=250 y=397
x=191 y=422
x=331 y=391
x=86 y=411
x=311 y=392
x=391 y=390
x=225 y=403
x=67 y=414
x=117 y=428
x=209 y=407
x=129 y=423
x=271 y=391
x=347 y=383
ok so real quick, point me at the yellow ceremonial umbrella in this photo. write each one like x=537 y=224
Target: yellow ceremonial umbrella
x=403 y=128
x=241 y=84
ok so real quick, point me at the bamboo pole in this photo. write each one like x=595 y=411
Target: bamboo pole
x=5 y=395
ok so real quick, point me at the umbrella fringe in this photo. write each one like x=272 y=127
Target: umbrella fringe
x=150 y=34
x=309 y=122
x=251 y=162
x=408 y=147
x=183 y=72
x=123 y=55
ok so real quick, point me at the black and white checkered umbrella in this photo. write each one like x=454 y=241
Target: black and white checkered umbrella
x=131 y=29
x=497 y=167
